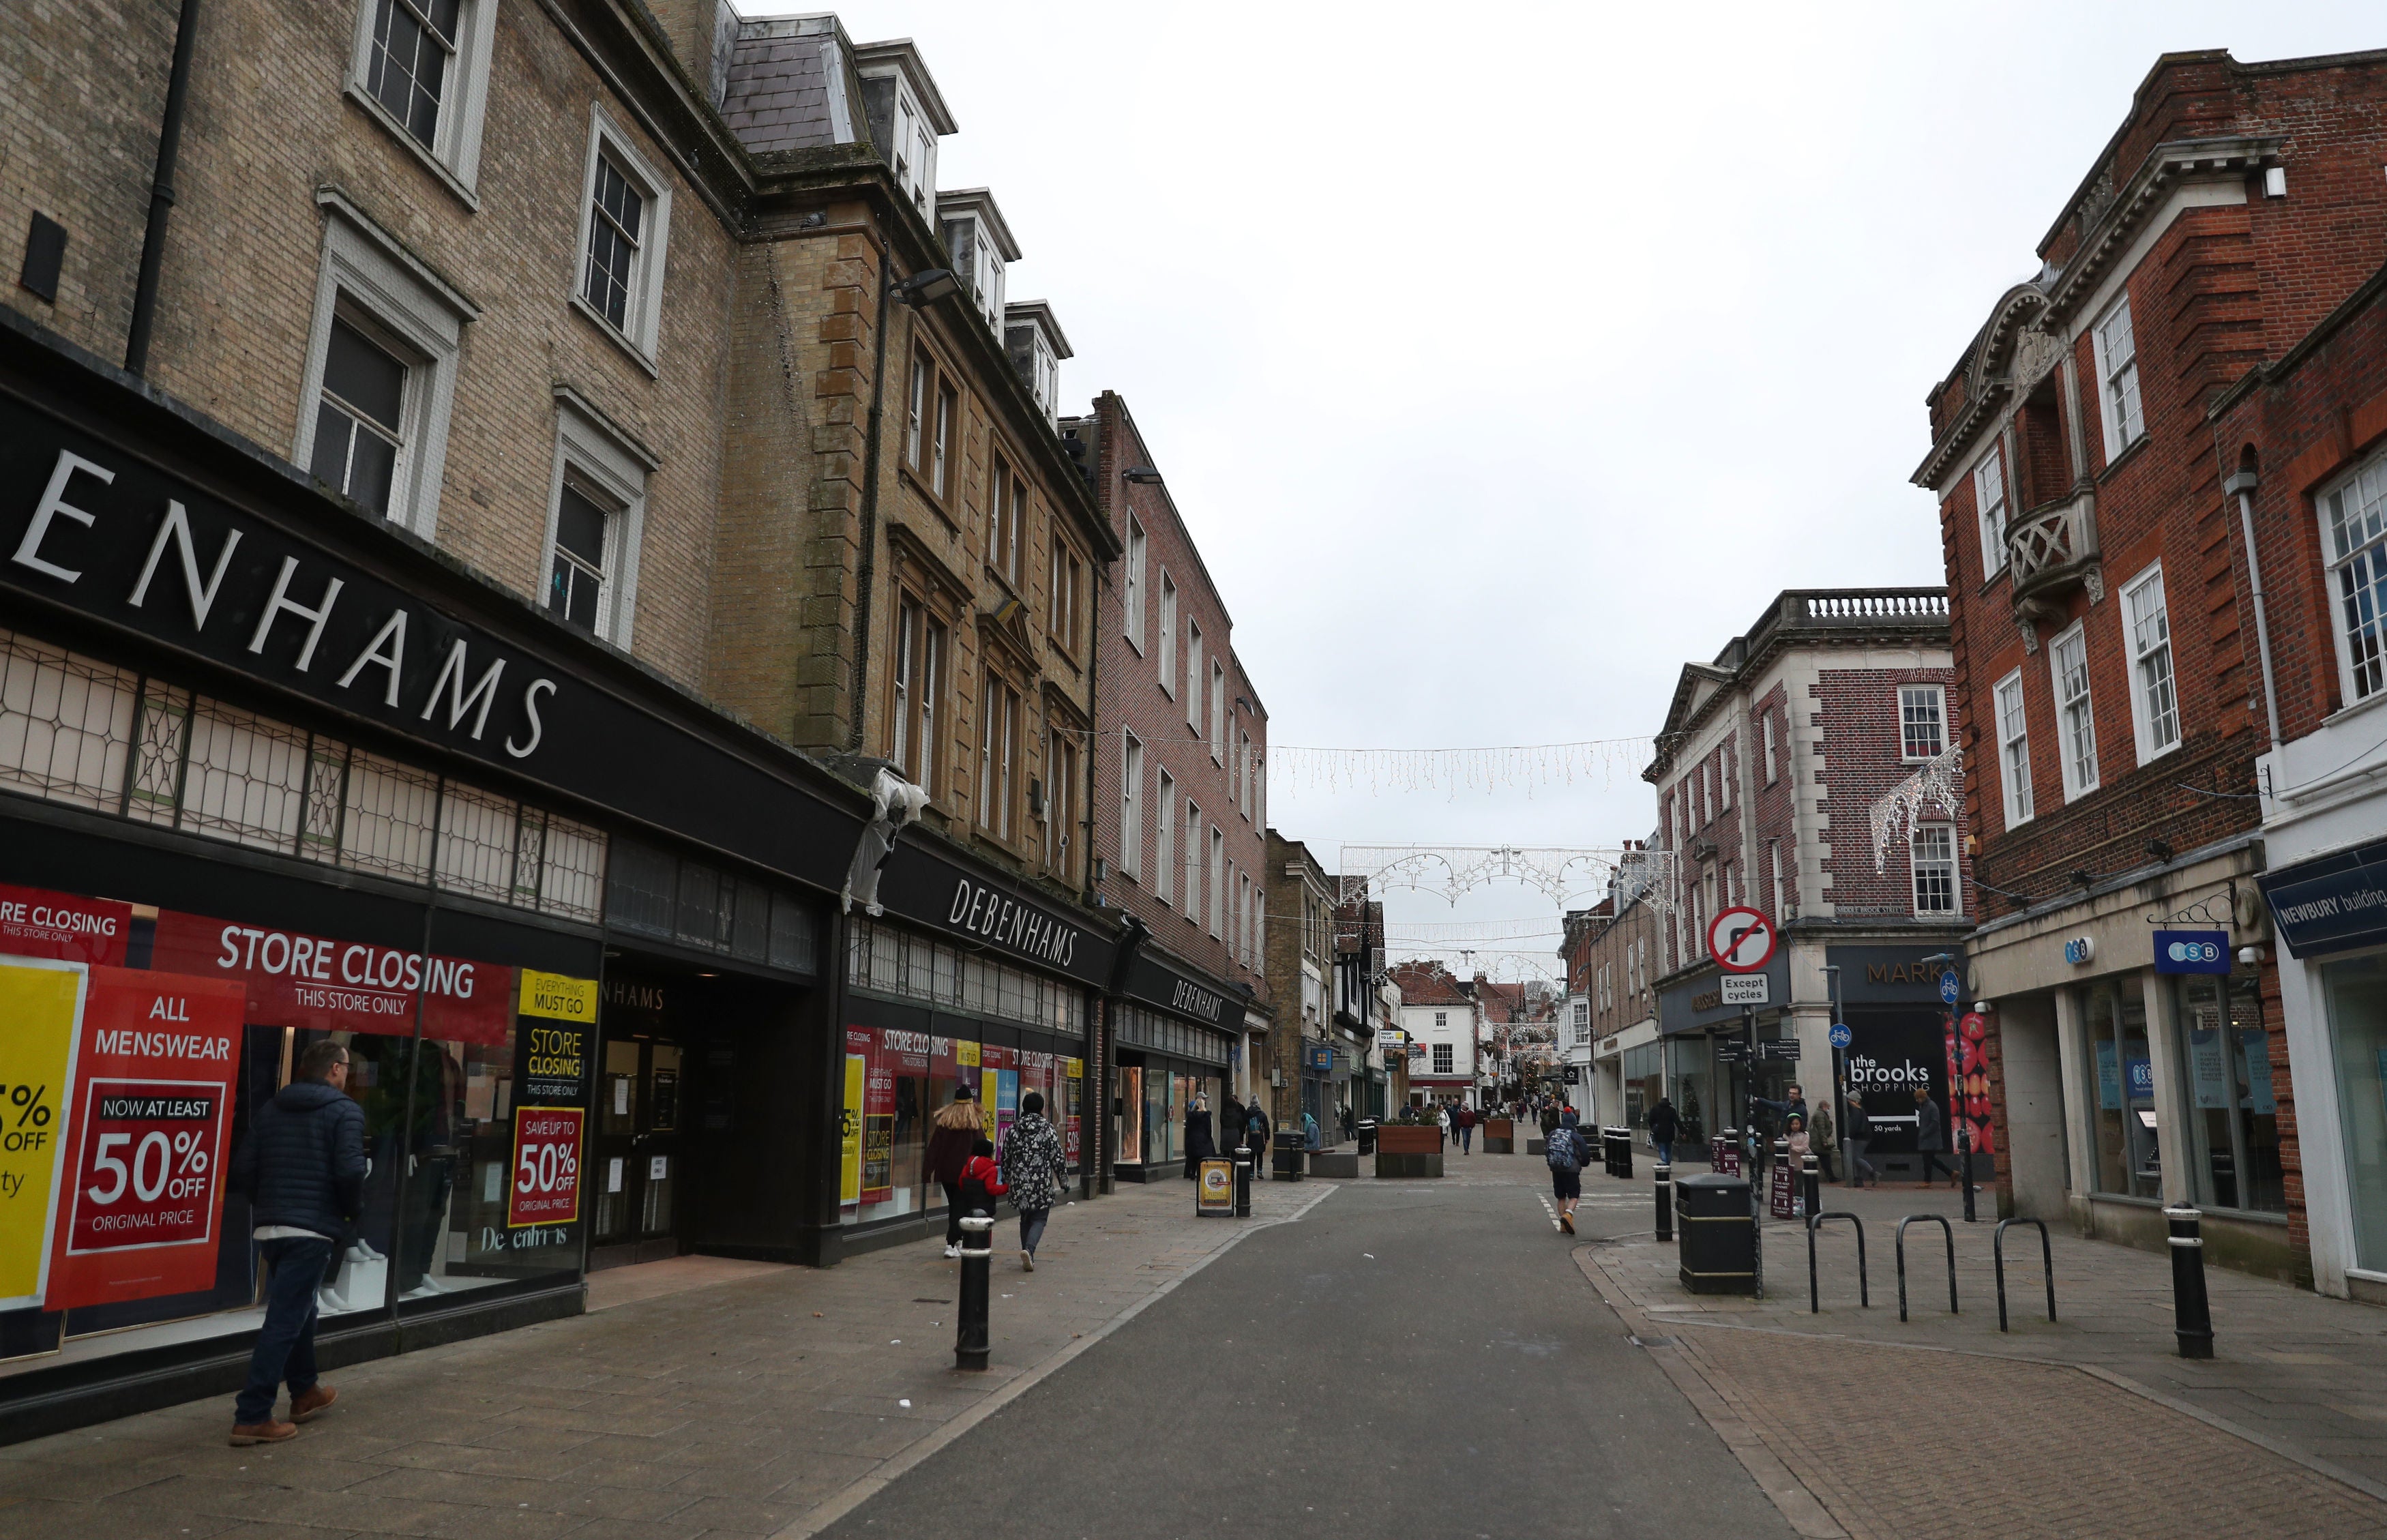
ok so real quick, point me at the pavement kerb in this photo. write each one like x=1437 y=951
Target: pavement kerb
x=825 y=1514
x=1798 y=1507
x=1602 y=1278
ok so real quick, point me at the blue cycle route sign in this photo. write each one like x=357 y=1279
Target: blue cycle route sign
x=1947 y=989
x=1840 y=1034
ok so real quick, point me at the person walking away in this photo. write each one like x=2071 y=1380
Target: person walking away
x=1931 y=1137
x=1350 y=1127
x=952 y=1132
x=1231 y=1123
x=1664 y=1124
x=981 y=1181
x=302 y=1168
x=1199 y=1146
x=1549 y=1120
x=1856 y=1136
x=1819 y=1133
x=1566 y=1152
x=1256 y=1137
x=1031 y=1169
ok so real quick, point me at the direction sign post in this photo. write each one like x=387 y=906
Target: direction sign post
x=1742 y=940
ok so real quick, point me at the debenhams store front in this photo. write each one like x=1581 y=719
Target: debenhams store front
x=272 y=772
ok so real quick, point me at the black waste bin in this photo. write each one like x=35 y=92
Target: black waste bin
x=1291 y=1154
x=1718 y=1244
x=1367 y=1136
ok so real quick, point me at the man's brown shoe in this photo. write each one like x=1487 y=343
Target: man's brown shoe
x=307 y=1403
x=268 y=1431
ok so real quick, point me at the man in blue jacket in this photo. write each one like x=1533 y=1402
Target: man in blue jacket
x=302 y=1168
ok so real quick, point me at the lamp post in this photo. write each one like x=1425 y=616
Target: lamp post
x=1960 y=1131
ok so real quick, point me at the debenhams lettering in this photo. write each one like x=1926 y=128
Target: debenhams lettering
x=987 y=914
x=1193 y=1000
x=379 y=651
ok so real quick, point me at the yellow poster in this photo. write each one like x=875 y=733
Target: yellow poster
x=42 y=1003
x=558 y=996
x=966 y=1054
x=988 y=1081
x=1077 y=1068
x=849 y=1176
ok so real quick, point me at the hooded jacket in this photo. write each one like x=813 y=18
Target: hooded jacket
x=1032 y=1162
x=303 y=1162
x=951 y=1132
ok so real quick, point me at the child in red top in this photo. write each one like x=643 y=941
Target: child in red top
x=981 y=1180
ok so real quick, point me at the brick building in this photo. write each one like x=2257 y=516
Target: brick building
x=551 y=473
x=1771 y=767
x=1367 y=1003
x=1181 y=782
x=1306 y=1054
x=1615 y=953
x=2106 y=640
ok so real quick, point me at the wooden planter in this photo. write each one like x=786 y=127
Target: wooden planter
x=1499 y=1136
x=1408 y=1151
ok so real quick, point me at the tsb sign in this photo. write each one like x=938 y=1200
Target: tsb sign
x=2192 y=952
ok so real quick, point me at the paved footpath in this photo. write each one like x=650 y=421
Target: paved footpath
x=765 y=1401
x=2090 y=1424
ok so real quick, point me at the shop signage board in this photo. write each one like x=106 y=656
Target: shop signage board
x=2335 y=904
x=42 y=999
x=555 y=1054
x=34 y=923
x=1156 y=983
x=2192 y=952
x=1214 y=1193
x=857 y=1062
x=1741 y=940
x=991 y=912
x=327 y=983
x=88 y=527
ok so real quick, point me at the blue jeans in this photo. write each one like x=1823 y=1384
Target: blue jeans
x=1032 y=1228
x=1466 y=1141
x=285 y=1343
x=1665 y=1151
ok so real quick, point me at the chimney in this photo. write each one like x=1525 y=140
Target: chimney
x=702 y=33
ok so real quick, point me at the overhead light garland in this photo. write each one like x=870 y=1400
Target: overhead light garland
x=1294 y=768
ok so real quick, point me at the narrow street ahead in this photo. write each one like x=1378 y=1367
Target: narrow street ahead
x=1418 y=1357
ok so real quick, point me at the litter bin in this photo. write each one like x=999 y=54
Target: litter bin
x=1367 y=1136
x=1291 y=1150
x=1718 y=1244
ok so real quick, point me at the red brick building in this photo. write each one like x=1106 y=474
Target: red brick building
x=1181 y=789
x=2104 y=636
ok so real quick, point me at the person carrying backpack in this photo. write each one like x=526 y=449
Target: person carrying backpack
x=1565 y=1153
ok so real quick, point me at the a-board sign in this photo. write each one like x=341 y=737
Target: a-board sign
x=1213 y=1189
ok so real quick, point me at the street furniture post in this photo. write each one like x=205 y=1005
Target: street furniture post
x=1243 y=1158
x=1665 y=1189
x=1811 y=1182
x=2191 y=1312
x=977 y=1258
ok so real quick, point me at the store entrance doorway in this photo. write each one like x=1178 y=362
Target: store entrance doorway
x=637 y=1151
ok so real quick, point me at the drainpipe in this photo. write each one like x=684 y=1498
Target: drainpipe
x=866 y=574
x=161 y=194
x=2242 y=486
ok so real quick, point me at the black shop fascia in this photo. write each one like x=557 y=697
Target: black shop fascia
x=1176 y=1034
x=968 y=975
x=343 y=786
x=1898 y=1037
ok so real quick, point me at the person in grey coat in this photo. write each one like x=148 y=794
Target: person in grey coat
x=302 y=1168
x=1931 y=1137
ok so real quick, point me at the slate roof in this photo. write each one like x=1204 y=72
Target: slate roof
x=777 y=95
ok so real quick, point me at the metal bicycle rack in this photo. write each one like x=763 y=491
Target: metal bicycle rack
x=1865 y=1291
x=1948 y=1233
x=2046 y=1261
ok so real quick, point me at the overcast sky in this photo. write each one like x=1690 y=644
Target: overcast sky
x=1503 y=357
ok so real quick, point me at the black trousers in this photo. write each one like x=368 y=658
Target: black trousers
x=1933 y=1161
x=952 y=1213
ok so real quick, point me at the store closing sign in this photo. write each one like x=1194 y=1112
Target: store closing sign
x=147 y=1144
x=38 y=924
x=328 y=984
x=553 y=1052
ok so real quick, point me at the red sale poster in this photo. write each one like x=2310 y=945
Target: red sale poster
x=327 y=984
x=36 y=923
x=146 y=1138
x=547 y=1167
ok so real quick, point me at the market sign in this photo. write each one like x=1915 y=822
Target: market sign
x=2336 y=903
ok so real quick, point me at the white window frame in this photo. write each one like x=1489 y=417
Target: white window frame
x=2014 y=749
x=366 y=272
x=1723 y=776
x=642 y=320
x=1772 y=771
x=1218 y=880
x=2353 y=513
x=1167 y=661
x=1991 y=505
x=1131 y=593
x=1197 y=860
x=453 y=157
x=592 y=449
x=1164 y=848
x=1130 y=806
x=2145 y=718
x=1933 y=834
x=1194 y=675
x=2074 y=787
x=2120 y=405
x=1938 y=694
x=1217 y=713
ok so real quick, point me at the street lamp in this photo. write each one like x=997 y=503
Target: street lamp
x=927 y=286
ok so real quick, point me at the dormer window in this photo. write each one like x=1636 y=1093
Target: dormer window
x=981 y=248
x=907 y=116
x=1032 y=338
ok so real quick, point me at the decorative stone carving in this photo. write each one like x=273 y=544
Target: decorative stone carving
x=2029 y=629
x=2094 y=581
x=2036 y=353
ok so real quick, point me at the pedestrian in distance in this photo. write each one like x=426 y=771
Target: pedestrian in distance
x=952 y=1132
x=1466 y=1131
x=1030 y=1168
x=1567 y=1151
x=1448 y=1125
x=1931 y=1137
x=1819 y=1131
x=1856 y=1136
x=1256 y=1137
x=1230 y=1122
x=1799 y=1141
x=981 y=1181
x=302 y=1168
x=1350 y=1127
x=1199 y=1144
x=1308 y=1131
x=1664 y=1124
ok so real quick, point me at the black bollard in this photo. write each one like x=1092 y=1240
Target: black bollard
x=1665 y=1187
x=977 y=1258
x=2191 y=1312
x=1965 y=1138
x=1811 y=1183
x=1624 y=1154
x=1243 y=1183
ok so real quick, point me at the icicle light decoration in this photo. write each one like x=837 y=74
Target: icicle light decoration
x=1292 y=769
x=1939 y=783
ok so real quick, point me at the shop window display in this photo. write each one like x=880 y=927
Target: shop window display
x=2123 y=1127
x=474 y=1102
x=2234 y=1113
x=896 y=1079
x=2356 y=993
